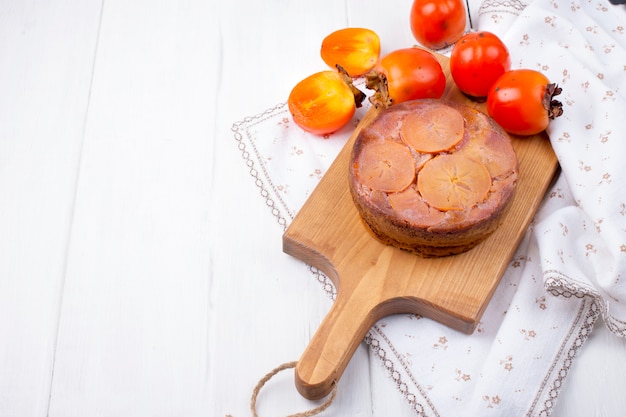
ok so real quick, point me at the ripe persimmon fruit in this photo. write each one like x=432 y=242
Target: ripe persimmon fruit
x=324 y=102
x=357 y=50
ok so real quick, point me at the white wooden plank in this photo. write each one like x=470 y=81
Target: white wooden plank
x=133 y=331
x=45 y=75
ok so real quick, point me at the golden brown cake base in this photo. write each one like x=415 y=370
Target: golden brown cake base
x=404 y=218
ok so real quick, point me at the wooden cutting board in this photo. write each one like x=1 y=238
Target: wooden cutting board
x=374 y=280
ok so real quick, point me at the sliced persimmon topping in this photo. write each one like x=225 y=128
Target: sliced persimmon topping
x=435 y=128
x=453 y=182
x=409 y=205
x=493 y=150
x=386 y=166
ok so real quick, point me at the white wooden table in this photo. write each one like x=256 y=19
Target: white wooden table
x=137 y=260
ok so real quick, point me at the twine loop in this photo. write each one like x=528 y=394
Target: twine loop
x=270 y=375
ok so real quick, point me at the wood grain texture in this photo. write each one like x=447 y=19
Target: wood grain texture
x=46 y=64
x=374 y=280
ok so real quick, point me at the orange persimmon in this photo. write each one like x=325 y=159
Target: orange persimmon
x=324 y=102
x=406 y=74
x=355 y=49
x=436 y=24
x=522 y=101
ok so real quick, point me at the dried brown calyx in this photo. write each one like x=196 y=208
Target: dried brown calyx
x=377 y=81
x=554 y=107
x=359 y=95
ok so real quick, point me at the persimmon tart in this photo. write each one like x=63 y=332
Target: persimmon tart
x=433 y=177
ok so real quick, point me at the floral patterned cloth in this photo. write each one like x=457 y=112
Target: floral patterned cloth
x=582 y=47
x=569 y=268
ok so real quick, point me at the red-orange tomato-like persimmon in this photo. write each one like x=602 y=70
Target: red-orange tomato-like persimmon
x=437 y=23
x=412 y=73
x=357 y=50
x=521 y=101
x=322 y=103
x=477 y=60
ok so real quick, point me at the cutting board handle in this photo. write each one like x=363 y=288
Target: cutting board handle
x=333 y=345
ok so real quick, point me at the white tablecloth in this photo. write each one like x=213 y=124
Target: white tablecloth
x=519 y=357
x=141 y=268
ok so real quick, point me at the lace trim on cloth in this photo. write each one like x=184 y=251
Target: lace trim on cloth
x=546 y=400
x=258 y=169
x=499 y=13
x=543 y=403
x=505 y=6
x=558 y=284
x=242 y=127
x=420 y=403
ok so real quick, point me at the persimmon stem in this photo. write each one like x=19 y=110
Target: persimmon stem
x=359 y=96
x=377 y=81
x=554 y=107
